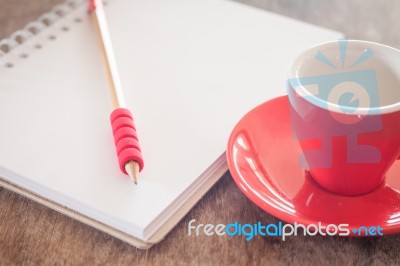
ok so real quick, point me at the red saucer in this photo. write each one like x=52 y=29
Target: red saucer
x=263 y=160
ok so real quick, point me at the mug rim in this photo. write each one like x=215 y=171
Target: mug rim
x=332 y=107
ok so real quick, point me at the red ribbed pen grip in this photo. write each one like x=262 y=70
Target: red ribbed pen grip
x=94 y=4
x=125 y=138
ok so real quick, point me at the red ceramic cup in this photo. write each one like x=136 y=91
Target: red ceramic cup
x=345 y=113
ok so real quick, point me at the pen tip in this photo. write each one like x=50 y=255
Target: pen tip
x=132 y=168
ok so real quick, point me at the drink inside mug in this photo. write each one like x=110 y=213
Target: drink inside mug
x=345 y=113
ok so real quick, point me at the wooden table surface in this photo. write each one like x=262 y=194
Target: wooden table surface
x=31 y=234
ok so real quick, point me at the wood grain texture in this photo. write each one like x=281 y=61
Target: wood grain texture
x=31 y=234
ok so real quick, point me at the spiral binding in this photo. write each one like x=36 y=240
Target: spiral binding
x=34 y=34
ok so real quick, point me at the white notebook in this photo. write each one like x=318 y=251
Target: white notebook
x=189 y=68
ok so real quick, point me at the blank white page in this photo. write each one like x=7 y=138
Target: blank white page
x=190 y=69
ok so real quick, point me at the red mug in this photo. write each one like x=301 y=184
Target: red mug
x=345 y=113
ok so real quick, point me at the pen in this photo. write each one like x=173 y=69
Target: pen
x=125 y=138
